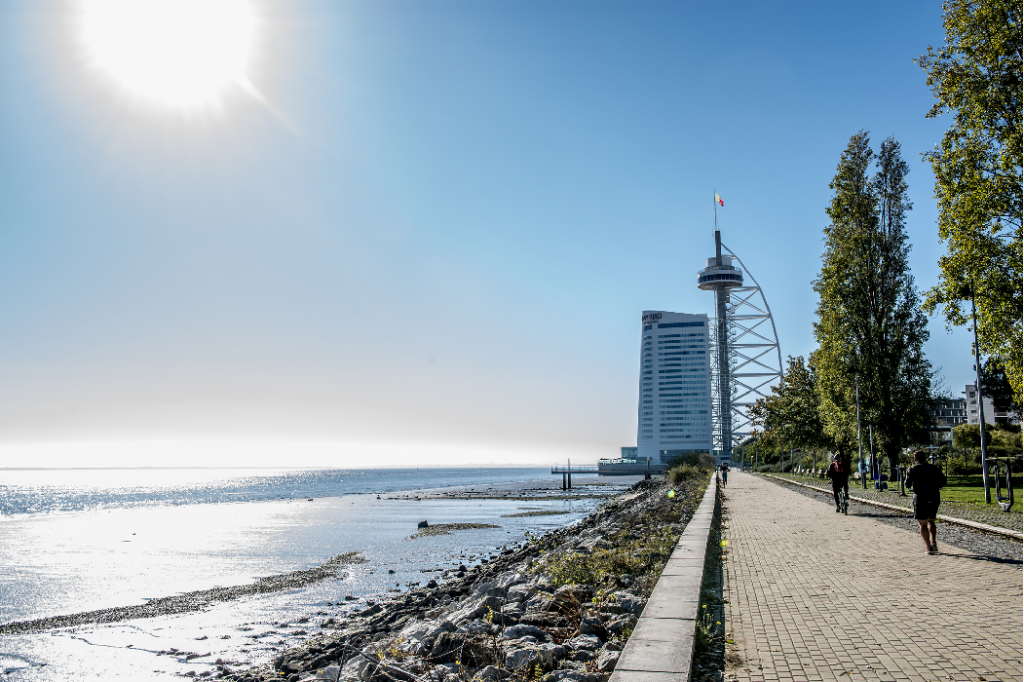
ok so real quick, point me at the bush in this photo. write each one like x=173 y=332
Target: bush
x=688 y=472
x=696 y=458
x=637 y=557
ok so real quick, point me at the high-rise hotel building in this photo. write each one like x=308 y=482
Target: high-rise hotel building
x=674 y=415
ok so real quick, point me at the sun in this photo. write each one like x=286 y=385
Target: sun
x=175 y=54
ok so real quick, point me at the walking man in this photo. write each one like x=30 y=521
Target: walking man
x=926 y=480
x=839 y=472
x=724 y=469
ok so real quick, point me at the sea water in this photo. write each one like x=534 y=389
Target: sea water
x=76 y=541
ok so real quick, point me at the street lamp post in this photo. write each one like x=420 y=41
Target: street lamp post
x=860 y=445
x=981 y=403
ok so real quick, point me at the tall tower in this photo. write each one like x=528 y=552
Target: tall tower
x=743 y=365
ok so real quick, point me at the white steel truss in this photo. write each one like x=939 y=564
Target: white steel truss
x=754 y=360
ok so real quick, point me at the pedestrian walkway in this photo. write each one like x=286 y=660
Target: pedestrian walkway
x=814 y=595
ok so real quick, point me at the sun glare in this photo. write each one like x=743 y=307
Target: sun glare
x=175 y=54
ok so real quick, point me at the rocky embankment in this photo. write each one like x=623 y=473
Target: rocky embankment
x=558 y=608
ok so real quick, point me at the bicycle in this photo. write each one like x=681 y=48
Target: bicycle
x=844 y=500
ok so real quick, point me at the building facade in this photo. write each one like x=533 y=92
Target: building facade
x=674 y=411
x=945 y=417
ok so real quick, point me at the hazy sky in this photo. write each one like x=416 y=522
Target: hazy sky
x=421 y=232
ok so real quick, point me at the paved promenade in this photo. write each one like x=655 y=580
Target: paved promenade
x=814 y=595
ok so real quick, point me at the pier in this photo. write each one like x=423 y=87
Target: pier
x=568 y=471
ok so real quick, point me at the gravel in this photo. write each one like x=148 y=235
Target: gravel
x=993 y=547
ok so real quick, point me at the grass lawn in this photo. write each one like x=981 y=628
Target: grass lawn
x=971 y=490
x=965 y=489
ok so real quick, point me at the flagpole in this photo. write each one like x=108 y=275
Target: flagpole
x=715 y=204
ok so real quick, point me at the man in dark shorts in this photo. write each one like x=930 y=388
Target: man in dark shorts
x=839 y=472
x=926 y=480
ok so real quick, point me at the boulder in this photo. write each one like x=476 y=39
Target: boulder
x=520 y=592
x=475 y=608
x=584 y=643
x=606 y=660
x=621 y=624
x=470 y=650
x=570 y=676
x=591 y=625
x=490 y=672
x=423 y=524
x=519 y=631
x=529 y=656
x=574 y=593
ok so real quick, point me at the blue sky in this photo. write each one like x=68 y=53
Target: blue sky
x=435 y=244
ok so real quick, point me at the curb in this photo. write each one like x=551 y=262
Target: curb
x=948 y=519
x=661 y=646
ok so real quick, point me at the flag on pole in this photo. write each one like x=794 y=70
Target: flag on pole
x=719 y=199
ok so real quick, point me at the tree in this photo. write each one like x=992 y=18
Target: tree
x=977 y=76
x=789 y=416
x=870 y=328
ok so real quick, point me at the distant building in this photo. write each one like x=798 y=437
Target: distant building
x=628 y=453
x=992 y=416
x=674 y=410
x=945 y=416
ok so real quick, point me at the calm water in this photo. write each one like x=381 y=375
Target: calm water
x=34 y=491
x=73 y=541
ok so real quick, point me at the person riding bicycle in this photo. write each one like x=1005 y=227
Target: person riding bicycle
x=839 y=472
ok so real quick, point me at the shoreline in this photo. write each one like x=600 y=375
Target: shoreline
x=516 y=611
x=271 y=624
x=188 y=601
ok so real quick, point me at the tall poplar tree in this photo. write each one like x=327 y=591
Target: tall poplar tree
x=870 y=328
x=976 y=76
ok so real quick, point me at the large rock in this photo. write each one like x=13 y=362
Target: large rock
x=528 y=656
x=475 y=608
x=621 y=624
x=570 y=676
x=521 y=592
x=519 y=631
x=418 y=635
x=511 y=613
x=573 y=594
x=606 y=660
x=584 y=643
x=471 y=651
x=591 y=625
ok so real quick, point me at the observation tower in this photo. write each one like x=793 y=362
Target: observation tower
x=745 y=354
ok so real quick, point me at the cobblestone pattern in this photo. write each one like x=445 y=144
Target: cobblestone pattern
x=813 y=595
x=990 y=514
x=998 y=547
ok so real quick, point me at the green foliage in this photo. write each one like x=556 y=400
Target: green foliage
x=998 y=438
x=687 y=472
x=699 y=458
x=635 y=556
x=869 y=326
x=977 y=76
x=790 y=416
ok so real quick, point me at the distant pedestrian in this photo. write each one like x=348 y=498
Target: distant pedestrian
x=839 y=472
x=926 y=480
x=724 y=468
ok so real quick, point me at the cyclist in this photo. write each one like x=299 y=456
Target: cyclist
x=839 y=472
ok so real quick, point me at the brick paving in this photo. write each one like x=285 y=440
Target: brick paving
x=814 y=595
